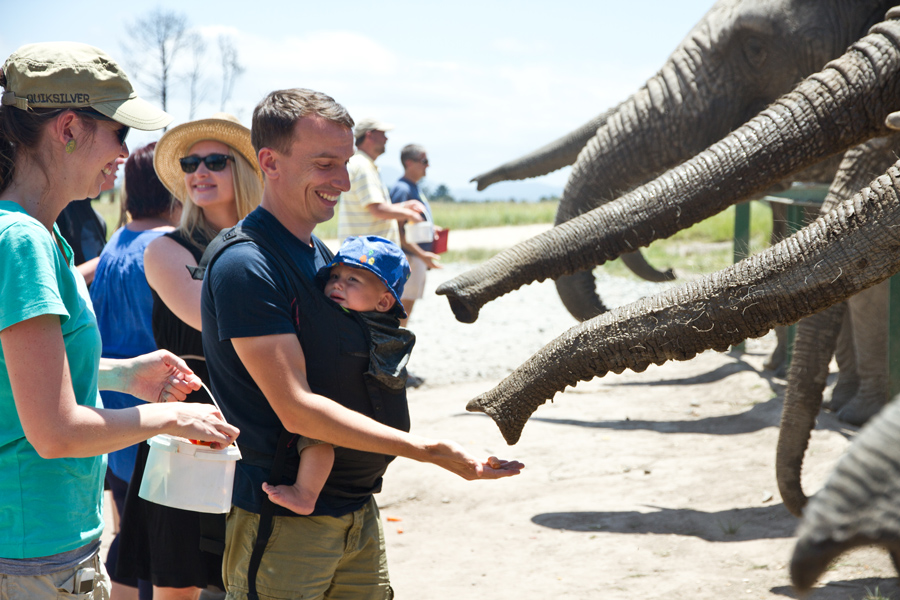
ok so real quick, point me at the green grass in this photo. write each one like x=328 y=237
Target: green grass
x=729 y=527
x=689 y=250
x=473 y=215
x=876 y=595
x=108 y=206
x=720 y=227
x=469 y=255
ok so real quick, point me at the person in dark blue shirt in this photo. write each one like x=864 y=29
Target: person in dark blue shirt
x=283 y=357
x=419 y=253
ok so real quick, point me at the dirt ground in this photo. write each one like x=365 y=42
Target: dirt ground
x=641 y=485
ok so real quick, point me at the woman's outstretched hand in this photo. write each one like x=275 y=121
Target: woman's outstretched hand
x=159 y=376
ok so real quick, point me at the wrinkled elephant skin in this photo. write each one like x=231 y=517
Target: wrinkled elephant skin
x=836 y=109
x=859 y=504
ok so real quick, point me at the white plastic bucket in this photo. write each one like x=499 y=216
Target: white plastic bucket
x=183 y=475
x=419 y=233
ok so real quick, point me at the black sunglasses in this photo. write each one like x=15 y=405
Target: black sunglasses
x=213 y=162
x=121 y=132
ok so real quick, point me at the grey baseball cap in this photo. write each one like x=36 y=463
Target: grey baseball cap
x=369 y=124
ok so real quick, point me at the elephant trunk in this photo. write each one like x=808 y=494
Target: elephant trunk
x=661 y=125
x=555 y=155
x=817 y=336
x=824 y=115
x=806 y=381
x=858 y=505
x=853 y=247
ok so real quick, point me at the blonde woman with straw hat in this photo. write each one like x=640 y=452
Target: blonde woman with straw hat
x=211 y=167
x=66 y=109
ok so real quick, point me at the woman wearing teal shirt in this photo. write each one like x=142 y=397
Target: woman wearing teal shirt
x=66 y=109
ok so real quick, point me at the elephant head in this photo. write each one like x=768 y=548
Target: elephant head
x=828 y=113
x=740 y=57
x=841 y=106
x=859 y=504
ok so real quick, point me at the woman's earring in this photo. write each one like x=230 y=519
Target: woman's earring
x=70 y=146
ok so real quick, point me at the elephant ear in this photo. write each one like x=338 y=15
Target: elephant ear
x=859 y=504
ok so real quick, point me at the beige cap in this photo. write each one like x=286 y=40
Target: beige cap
x=73 y=75
x=366 y=125
x=176 y=143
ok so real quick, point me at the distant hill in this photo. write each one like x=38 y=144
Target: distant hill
x=523 y=191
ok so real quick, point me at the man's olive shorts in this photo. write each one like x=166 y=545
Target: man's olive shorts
x=338 y=558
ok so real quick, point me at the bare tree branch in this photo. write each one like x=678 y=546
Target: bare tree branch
x=231 y=67
x=156 y=42
x=196 y=81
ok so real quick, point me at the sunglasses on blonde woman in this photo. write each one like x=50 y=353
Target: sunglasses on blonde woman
x=213 y=162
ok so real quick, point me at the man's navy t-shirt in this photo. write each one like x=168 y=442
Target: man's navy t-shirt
x=246 y=294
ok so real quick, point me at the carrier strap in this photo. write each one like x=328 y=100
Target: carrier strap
x=286 y=440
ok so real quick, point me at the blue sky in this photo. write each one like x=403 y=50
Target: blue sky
x=477 y=83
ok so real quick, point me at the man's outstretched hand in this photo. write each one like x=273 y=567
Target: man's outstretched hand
x=451 y=456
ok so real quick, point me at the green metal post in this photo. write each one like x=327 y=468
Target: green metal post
x=794 y=224
x=741 y=242
x=741 y=231
x=894 y=335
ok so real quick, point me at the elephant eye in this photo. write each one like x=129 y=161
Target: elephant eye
x=755 y=52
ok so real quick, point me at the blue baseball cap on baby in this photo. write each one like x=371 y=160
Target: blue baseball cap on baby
x=382 y=257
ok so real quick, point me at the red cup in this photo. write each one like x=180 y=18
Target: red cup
x=440 y=242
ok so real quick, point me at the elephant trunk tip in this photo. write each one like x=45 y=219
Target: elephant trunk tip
x=465 y=312
x=474 y=405
x=480 y=184
x=796 y=508
x=788 y=464
x=811 y=559
x=793 y=497
x=510 y=431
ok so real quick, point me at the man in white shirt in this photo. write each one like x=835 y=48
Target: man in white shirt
x=367 y=209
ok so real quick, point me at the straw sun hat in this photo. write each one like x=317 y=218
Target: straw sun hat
x=177 y=142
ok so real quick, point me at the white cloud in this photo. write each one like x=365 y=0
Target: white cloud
x=509 y=46
x=321 y=52
x=471 y=113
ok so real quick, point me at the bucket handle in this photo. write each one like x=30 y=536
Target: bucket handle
x=216 y=404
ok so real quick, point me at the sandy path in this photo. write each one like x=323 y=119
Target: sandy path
x=485 y=237
x=652 y=485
